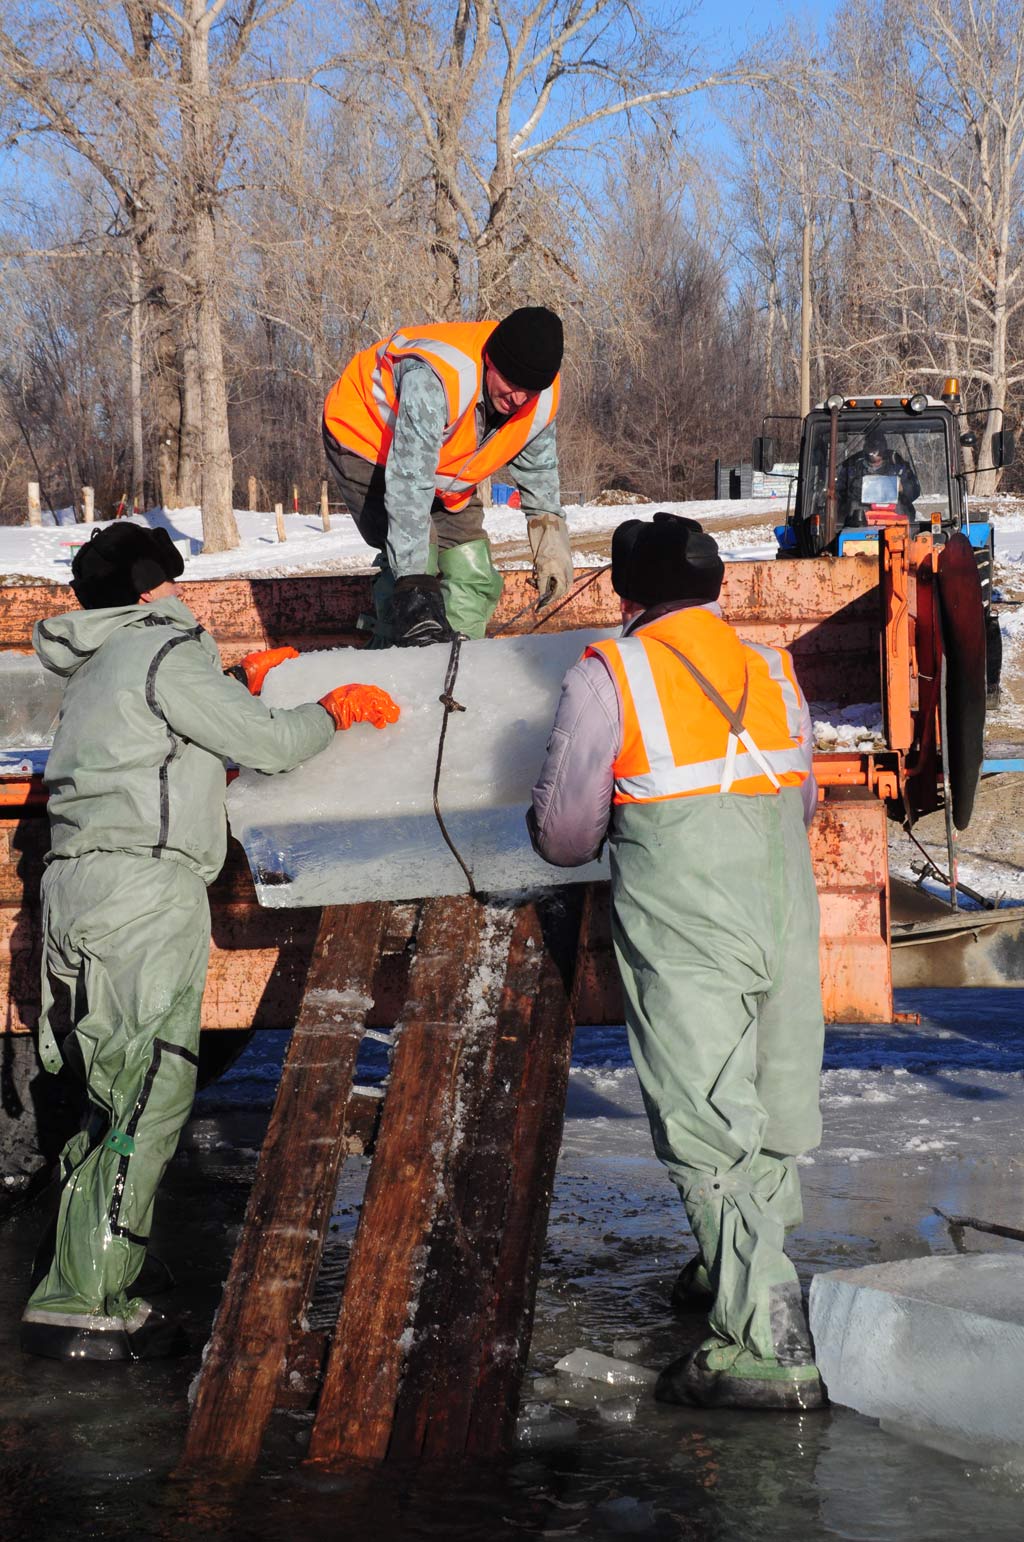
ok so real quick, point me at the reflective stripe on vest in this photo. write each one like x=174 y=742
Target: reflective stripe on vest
x=762 y=770
x=790 y=696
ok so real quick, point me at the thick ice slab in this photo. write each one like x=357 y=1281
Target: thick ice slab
x=30 y=698
x=357 y=823
x=932 y=1346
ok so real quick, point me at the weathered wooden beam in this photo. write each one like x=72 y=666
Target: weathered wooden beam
x=540 y=1008
x=435 y=1317
x=361 y=1384
x=471 y=1338
x=275 y=1262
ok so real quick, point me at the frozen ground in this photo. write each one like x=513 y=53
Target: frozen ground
x=46 y=552
x=916 y=1118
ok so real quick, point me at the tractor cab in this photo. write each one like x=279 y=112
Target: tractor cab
x=870 y=462
x=887 y=471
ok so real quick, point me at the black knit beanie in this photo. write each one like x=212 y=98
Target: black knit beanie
x=121 y=562
x=527 y=347
x=667 y=558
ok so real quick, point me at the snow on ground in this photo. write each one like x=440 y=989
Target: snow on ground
x=47 y=552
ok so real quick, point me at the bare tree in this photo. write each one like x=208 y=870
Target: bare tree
x=495 y=90
x=143 y=92
x=931 y=94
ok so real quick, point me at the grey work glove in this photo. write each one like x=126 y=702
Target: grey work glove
x=552 y=556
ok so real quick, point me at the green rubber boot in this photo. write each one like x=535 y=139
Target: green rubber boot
x=471 y=586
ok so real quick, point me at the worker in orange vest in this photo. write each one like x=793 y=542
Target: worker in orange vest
x=412 y=428
x=691 y=753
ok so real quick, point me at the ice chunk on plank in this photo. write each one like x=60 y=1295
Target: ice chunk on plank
x=933 y=1346
x=356 y=822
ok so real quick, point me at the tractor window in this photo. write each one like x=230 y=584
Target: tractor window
x=899 y=466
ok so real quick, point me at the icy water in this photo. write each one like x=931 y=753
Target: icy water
x=915 y=1118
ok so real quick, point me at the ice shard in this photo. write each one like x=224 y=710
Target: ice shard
x=933 y=1347
x=357 y=822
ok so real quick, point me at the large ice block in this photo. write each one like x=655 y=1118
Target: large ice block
x=30 y=698
x=356 y=822
x=931 y=1346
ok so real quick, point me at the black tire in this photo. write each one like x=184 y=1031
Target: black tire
x=984 y=556
x=963 y=639
x=993 y=655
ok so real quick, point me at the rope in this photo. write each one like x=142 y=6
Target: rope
x=945 y=878
x=450 y=705
x=574 y=591
x=573 y=594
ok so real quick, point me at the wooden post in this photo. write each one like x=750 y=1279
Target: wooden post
x=295 y=499
x=282 y=534
x=252 y=495
x=88 y=505
x=35 y=516
x=325 y=508
x=289 y=1210
x=435 y=1321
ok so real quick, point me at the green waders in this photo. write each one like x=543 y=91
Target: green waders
x=471 y=586
x=715 y=928
x=126 y=943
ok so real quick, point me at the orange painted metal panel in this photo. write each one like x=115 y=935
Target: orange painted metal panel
x=849 y=852
x=827 y=610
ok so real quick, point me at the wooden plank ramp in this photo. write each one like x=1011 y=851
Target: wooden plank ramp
x=435 y=1316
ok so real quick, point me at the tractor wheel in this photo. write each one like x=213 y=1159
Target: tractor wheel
x=963 y=639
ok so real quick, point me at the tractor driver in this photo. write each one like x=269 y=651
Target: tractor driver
x=874 y=459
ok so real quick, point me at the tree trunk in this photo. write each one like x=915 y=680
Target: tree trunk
x=135 y=333
x=445 y=248
x=220 y=532
x=190 y=406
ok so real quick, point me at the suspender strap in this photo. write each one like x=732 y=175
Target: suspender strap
x=737 y=733
x=734 y=719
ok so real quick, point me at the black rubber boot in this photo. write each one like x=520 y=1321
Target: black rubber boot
x=720 y=1374
x=157 y=1338
x=146 y=1335
x=692 y=1294
x=417 y=612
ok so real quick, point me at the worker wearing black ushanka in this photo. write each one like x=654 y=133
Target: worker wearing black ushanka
x=138 y=830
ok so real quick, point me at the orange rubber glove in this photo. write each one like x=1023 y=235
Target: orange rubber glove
x=350 y=704
x=258 y=665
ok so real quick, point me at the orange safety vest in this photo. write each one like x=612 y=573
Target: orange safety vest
x=362 y=406
x=676 y=743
